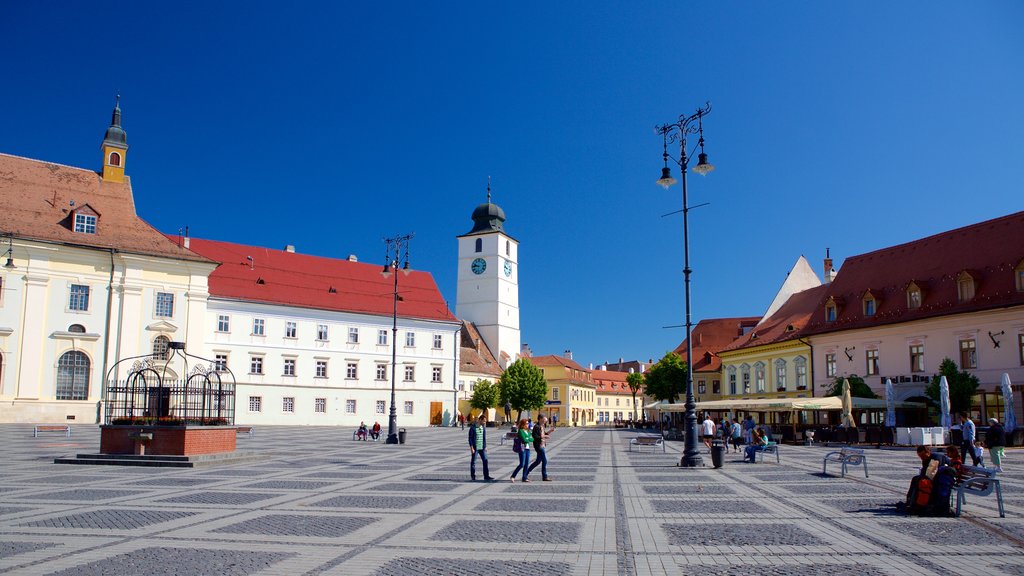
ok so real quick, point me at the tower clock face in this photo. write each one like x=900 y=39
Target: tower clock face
x=508 y=268
x=479 y=265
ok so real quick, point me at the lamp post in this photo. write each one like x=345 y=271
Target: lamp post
x=397 y=252
x=672 y=133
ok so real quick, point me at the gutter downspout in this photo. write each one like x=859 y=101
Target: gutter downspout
x=106 y=340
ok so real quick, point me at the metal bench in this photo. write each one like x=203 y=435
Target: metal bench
x=769 y=448
x=979 y=482
x=508 y=436
x=51 y=428
x=846 y=457
x=643 y=440
x=244 y=430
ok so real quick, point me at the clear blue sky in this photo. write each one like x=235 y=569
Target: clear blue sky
x=853 y=126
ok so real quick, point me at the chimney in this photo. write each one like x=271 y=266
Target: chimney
x=290 y=248
x=185 y=241
x=525 y=352
x=352 y=258
x=591 y=366
x=604 y=368
x=829 y=271
x=568 y=354
x=621 y=359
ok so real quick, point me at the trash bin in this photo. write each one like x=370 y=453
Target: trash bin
x=401 y=435
x=717 y=453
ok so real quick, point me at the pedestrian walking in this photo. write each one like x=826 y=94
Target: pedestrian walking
x=540 y=442
x=970 y=436
x=462 y=421
x=995 y=438
x=736 y=433
x=708 y=431
x=478 y=447
x=521 y=445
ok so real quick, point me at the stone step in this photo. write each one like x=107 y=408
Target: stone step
x=162 y=461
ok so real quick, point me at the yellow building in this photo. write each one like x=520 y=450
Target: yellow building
x=572 y=394
x=615 y=401
x=708 y=337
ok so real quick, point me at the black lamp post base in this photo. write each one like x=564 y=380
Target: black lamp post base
x=694 y=461
x=392 y=439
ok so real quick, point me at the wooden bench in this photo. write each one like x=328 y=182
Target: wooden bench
x=643 y=440
x=979 y=482
x=846 y=457
x=244 y=430
x=769 y=448
x=51 y=428
x=355 y=435
x=508 y=436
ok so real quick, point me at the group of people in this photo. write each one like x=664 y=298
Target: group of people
x=731 y=432
x=363 y=431
x=527 y=436
x=971 y=445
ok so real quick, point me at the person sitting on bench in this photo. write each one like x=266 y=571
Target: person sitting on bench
x=375 y=431
x=362 y=432
x=756 y=445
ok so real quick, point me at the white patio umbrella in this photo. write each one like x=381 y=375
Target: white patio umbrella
x=944 y=402
x=847 y=406
x=1009 y=415
x=890 y=404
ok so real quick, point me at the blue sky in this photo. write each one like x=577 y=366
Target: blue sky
x=852 y=126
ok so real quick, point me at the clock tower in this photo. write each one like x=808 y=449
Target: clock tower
x=488 y=289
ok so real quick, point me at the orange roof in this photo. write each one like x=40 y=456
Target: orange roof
x=38 y=199
x=711 y=335
x=552 y=360
x=474 y=355
x=787 y=323
x=301 y=280
x=611 y=382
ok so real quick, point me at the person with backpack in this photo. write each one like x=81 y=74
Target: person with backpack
x=521 y=445
x=540 y=442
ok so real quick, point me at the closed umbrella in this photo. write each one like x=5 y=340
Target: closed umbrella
x=1009 y=415
x=944 y=402
x=890 y=404
x=847 y=406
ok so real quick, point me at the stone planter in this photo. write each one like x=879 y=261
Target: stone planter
x=168 y=440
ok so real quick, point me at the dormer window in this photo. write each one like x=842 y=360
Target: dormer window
x=964 y=286
x=870 y=304
x=85 y=223
x=114 y=159
x=830 y=312
x=913 y=296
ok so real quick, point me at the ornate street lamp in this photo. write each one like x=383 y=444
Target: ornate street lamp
x=672 y=133
x=397 y=252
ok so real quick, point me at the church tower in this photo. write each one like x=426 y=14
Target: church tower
x=488 y=281
x=115 y=147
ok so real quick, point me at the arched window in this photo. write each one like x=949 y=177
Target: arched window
x=745 y=375
x=76 y=329
x=115 y=159
x=913 y=296
x=780 y=374
x=160 y=344
x=800 y=365
x=508 y=248
x=965 y=287
x=73 y=376
x=759 y=376
x=479 y=245
x=732 y=379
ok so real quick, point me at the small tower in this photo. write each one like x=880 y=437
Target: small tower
x=115 y=147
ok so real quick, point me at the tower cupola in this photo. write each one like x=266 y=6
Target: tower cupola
x=488 y=217
x=115 y=147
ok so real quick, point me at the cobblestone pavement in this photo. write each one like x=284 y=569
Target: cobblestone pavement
x=319 y=503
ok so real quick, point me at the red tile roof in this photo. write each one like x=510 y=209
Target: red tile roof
x=989 y=251
x=711 y=335
x=612 y=382
x=474 y=355
x=787 y=323
x=37 y=200
x=553 y=360
x=306 y=281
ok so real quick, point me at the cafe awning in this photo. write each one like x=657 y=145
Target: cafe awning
x=782 y=404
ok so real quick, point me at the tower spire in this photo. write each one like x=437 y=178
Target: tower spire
x=115 y=146
x=488 y=189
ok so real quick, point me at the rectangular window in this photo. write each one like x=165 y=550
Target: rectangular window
x=289 y=366
x=290 y=330
x=914 y=299
x=871 y=356
x=351 y=371
x=255 y=403
x=408 y=408
x=780 y=376
x=701 y=389
x=381 y=407
x=255 y=365
x=258 y=328
x=350 y=406
x=164 y=305
x=382 y=372
x=716 y=386
x=220 y=362
x=320 y=405
x=869 y=307
x=288 y=404
x=801 y=376
x=410 y=338
x=435 y=374
x=554 y=393
x=830 y=365
x=85 y=223
x=759 y=377
x=830 y=313
x=746 y=382
x=382 y=337
x=917 y=358
x=353 y=335
x=223 y=323
x=410 y=373
x=321 y=331
x=968 y=355
x=732 y=383
x=79 y=298
x=437 y=341
x=321 y=368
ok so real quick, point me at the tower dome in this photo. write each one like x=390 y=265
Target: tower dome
x=488 y=217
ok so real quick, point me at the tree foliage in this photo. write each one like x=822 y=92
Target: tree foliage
x=666 y=380
x=523 y=386
x=858 y=387
x=962 y=386
x=485 y=395
x=635 y=381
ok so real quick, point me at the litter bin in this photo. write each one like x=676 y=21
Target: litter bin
x=401 y=435
x=717 y=453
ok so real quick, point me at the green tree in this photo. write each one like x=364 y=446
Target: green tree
x=858 y=387
x=485 y=395
x=666 y=380
x=635 y=381
x=523 y=386
x=962 y=386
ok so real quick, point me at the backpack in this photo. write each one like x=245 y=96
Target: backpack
x=517 y=445
x=942 y=489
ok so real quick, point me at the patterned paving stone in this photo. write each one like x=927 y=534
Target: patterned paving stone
x=1012 y=569
x=298 y=525
x=723 y=507
x=841 y=489
x=941 y=532
x=8 y=549
x=410 y=566
x=77 y=479
x=414 y=487
x=533 y=505
x=435 y=477
x=233 y=472
x=789 y=477
x=224 y=498
x=759 y=535
x=172 y=482
x=383 y=502
x=796 y=570
x=12 y=509
x=569 y=477
x=82 y=495
x=511 y=531
x=876 y=506
x=338 y=475
x=535 y=487
x=1014 y=528
x=288 y=485
x=115 y=519
x=178 y=561
x=691 y=489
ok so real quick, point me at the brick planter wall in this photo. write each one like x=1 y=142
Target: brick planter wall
x=170 y=440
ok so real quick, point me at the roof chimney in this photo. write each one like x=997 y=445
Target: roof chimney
x=604 y=368
x=352 y=258
x=290 y=248
x=568 y=354
x=591 y=367
x=829 y=271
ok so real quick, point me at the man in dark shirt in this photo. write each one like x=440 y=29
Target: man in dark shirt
x=540 y=436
